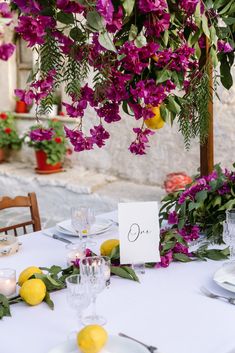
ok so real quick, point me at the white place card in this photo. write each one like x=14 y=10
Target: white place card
x=139 y=232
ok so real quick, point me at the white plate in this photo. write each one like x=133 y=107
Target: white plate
x=99 y=227
x=115 y=344
x=225 y=277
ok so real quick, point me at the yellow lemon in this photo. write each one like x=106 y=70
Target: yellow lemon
x=91 y=339
x=107 y=246
x=156 y=122
x=27 y=273
x=33 y=291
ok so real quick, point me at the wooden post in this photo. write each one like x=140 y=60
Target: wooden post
x=207 y=149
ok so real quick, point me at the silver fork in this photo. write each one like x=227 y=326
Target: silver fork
x=209 y=294
x=151 y=349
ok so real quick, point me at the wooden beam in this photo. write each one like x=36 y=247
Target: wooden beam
x=207 y=149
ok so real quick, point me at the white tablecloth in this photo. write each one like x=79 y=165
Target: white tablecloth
x=166 y=309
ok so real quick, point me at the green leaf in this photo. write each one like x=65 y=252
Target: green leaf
x=181 y=257
x=214 y=254
x=95 y=21
x=49 y=302
x=173 y=105
x=205 y=27
x=76 y=34
x=163 y=75
x=115 y=253
x=168 y=246
x=4 y=306
x=106 y=41
x=128 y=6
x=214 y=57
x=166 y=37
x=66 y=18
x=133 y=32
x=124 y=272
x=226 y=77
x=213 y=35
x=201 y=196
x=197 y=15
x=141 y=40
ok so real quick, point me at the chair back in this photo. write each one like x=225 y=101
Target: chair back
x=30 y=202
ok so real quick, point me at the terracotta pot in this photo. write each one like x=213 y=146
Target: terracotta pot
x=43 y=167
x=2 y=155
x=21 y=107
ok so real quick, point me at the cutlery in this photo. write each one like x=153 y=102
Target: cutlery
x=57 y=237
x=151 y=349
x=209 y=294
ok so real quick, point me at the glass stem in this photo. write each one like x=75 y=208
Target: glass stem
x=232 y=252
x=79 y=318
x=93 y=302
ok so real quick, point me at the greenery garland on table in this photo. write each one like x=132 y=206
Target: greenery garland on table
x=173 y=247
x=144 y=56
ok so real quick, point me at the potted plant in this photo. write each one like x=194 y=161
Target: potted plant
x=9 y=138
x=21 y=106
x=50 y=146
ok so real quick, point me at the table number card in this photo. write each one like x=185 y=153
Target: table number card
x=139 y=232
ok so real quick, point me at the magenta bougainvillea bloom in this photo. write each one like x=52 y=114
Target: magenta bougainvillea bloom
x=41 y=134
x=189 y=6
x=146 y=6
x=33 y=30
x=6 y=51
x=28 y=6
x=105 y=9
x=224 y=47
x=173 y=217
x=69 y=6
x=5 y=10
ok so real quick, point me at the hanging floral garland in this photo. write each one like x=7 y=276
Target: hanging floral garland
x=150 y=58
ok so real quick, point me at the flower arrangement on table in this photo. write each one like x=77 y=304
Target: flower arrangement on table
x=49 y=141
x=150 y=58
x=200 y=208
x=9 y=138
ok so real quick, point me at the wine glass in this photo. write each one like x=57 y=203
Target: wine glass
x=78 y=296
x=107 y=270
x=82 y=219
x=92 y=270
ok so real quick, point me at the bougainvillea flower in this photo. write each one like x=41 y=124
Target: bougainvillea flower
x=6 y=51
x=224 y=47
x=110 y=112
x=28 y=6
x=138 y=147
x=5 y=11
x=33 y=30
x=172 y=218
x=189 y=6
x=99 y=135
x=69 y=6
x=25 y=96
x=41 y=134
x=105 y=9
x=78 y=140
x=116 y=22
x=146 y=6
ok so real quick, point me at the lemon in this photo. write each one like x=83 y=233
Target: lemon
x=27 y=273
x=91 y=339
x=156 y=122
x=33 y=291
x=107 y=246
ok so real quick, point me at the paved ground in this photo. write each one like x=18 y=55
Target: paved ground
x=57 y=193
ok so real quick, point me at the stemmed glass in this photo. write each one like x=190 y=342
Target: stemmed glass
x=78 y=296
x=229 y=233
x=92 y=270
x=82 y=219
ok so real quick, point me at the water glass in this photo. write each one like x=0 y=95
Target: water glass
x=82 y=219
x=92 y=270
x=78 y=296
x=107 y=270
x=229 y=232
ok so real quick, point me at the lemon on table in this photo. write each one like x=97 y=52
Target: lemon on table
x=156 y=122
x=33 y=291
x=91 y=339
x=27 y=273
x=107 y=246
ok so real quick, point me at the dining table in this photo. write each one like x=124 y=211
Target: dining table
x=166 y=308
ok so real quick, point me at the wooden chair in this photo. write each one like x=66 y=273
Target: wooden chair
x=22 y=201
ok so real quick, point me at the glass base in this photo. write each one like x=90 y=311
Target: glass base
x=139 y=268
x=94 y=320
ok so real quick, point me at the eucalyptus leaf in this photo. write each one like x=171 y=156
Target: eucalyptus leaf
x=95 y=21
